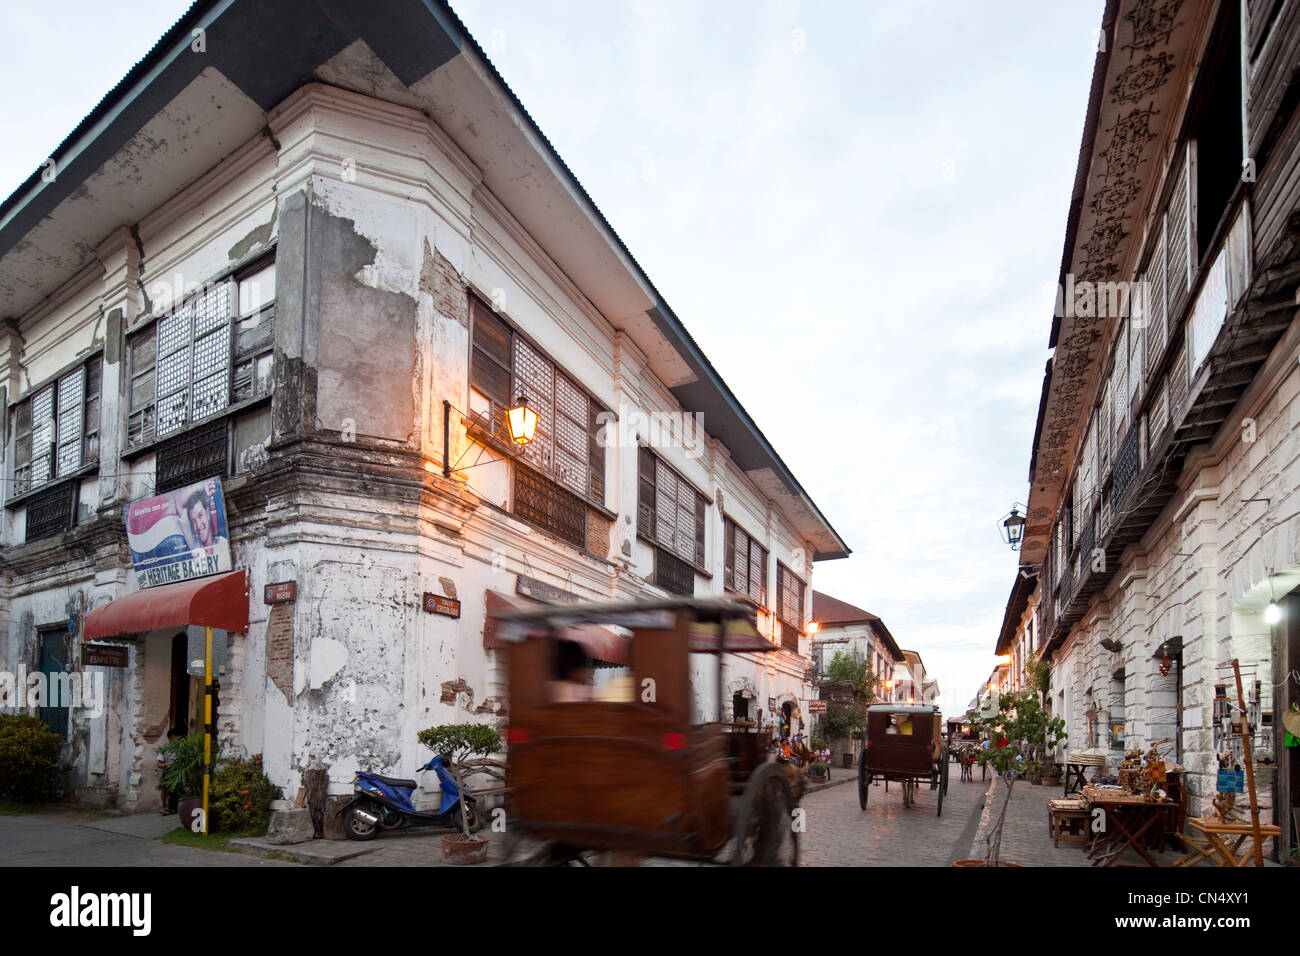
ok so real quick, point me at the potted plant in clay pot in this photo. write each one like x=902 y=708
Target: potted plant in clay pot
x=819 y=773
x=182 y=760
x=1052 y=775
x=1019 y=732
x=456 y=742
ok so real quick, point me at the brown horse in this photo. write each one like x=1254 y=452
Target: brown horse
x=967 y=760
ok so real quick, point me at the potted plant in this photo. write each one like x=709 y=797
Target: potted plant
x=183 y=774
x=1052 y=775
x=819 y=773
x=1020 y=732
x=456 y=742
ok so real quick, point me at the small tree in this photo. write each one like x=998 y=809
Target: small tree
x=850 y=668
x=456 y=742
x=1038 y=674
x=1019 y=731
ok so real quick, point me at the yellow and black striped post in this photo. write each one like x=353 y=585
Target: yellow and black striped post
x=207 y=721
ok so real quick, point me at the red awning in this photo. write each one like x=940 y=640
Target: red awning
x=220 y=601
x=600 y=643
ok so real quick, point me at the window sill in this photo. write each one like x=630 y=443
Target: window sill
x=659 y=545
x=745 y=598
x=84 y=471
x=550 y=536
x=139 y=451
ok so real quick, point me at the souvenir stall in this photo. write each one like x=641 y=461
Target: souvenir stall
x=1240 y=731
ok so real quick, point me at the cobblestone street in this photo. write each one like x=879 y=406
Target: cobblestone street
x=838 y=833
x=885 y=834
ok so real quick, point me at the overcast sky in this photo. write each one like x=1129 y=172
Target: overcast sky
x=857 y=209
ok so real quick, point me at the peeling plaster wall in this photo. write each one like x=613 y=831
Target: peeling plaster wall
x=228 y=212
x=381 y=227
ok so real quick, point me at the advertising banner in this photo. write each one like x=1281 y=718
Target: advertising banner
x=179 y=535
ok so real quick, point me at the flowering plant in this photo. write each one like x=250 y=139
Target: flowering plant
x=241 y=796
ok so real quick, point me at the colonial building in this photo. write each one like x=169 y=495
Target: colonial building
x=1018 y=644
x=911 y=685
x=844 y=627
x=1163 y=514
x=308 y=276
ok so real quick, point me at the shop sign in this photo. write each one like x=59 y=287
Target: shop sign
x=541 y=591
x=103 y=655
x=179 y=535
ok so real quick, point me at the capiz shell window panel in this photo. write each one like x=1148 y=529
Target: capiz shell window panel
x=42 y=436
x=535 y=380
x=72 y=391
x=572 y=413
x=193 y=377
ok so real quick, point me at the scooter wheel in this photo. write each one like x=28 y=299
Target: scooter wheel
x=475 y=821
x=359 y=829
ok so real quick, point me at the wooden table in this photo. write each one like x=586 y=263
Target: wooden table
x=1128 y=820
x=1212 y=847
x=1074 y=779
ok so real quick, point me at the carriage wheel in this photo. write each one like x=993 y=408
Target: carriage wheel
x=764 y=835
x=945 y=778
x=943 y=787
x=864 y=781
x=908 y=784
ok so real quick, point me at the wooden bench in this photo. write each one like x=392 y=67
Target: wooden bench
x=1068 y=821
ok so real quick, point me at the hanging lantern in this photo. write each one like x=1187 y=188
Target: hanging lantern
x=1013 y=527
x=523 y=421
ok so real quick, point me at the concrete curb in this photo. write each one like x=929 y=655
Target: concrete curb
x=818 y=787
x=979 y=846
x=315 y=852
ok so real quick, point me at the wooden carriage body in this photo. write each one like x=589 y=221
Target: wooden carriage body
x=900 y=755
x=632 y=775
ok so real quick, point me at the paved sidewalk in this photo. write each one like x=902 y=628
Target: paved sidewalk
x=1025 y=838
x=77 y=839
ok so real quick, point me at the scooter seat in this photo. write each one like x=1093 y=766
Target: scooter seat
x=395 y=782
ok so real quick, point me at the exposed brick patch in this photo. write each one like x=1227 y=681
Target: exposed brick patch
x=450 y=688
x=598 y=530
x=439 y=279
x=496 y=706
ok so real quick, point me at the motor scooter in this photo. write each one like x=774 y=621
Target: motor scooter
x=384 y=803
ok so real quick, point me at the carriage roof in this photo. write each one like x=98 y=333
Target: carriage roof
x=902 y=709
x=711 y=616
